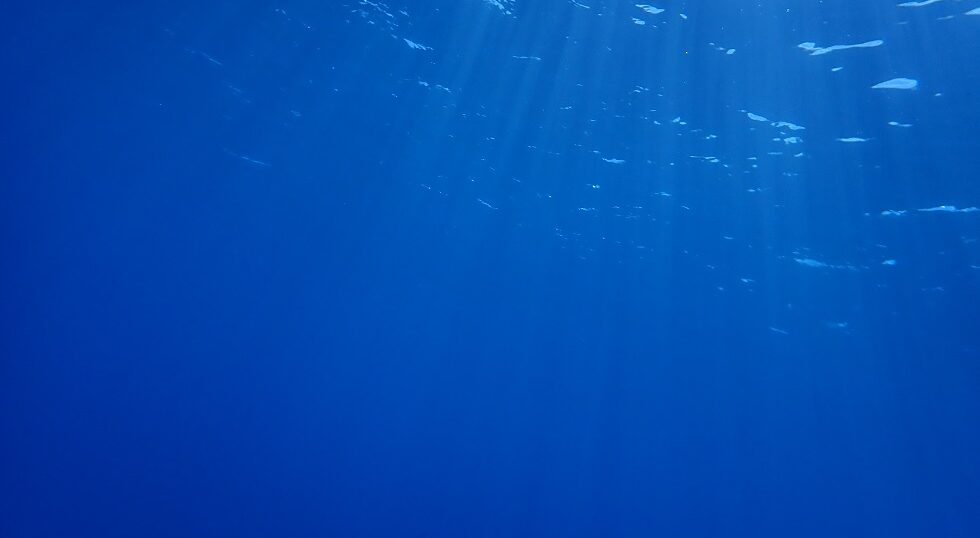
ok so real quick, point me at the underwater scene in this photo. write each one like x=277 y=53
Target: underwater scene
x=490 y=268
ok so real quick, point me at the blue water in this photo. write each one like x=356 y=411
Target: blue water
x=465 y=268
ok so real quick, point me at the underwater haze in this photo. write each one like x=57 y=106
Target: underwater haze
x=490 y=268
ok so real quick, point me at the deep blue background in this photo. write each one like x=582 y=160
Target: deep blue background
x=198 y=345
